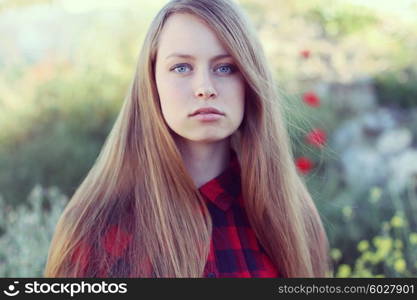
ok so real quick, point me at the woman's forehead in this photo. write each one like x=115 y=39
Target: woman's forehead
x=186 y=34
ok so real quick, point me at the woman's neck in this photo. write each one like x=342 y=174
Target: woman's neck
x=204 y=161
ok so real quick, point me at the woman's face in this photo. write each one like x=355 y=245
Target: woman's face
x=193 y=71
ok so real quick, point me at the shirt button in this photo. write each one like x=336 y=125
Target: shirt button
x=211 y=275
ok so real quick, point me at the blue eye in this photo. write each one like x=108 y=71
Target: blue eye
x=180 y=68
x=227 y=69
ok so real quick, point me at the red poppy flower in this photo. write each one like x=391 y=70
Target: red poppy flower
x=311 y=99
x=317 y=137
x=305 y=53
x=304 y=164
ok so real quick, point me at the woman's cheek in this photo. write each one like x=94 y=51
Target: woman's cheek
x=234 y=87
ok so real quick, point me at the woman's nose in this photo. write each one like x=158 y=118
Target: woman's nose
x=205 y=93
x=204 y=86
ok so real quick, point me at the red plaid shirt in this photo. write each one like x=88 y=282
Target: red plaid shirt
x=234 y=248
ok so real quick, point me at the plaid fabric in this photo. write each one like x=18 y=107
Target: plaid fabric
x=234 y=248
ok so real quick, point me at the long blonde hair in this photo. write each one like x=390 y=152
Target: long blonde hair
x=140 y=183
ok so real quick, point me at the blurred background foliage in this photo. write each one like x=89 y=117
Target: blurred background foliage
x=347 y=76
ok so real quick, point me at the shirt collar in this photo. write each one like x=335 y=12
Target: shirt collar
x=225 y=188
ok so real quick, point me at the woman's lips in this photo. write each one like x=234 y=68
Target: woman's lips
x=207 y=114
x=207 y=117
x=207 y=110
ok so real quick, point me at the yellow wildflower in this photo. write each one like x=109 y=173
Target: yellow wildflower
x=344 y=271
x=375 y=194
x=386 y=226
x=397 y=221
x=400 y=265
x=347 y=211
x=413 y=238
x=336 y=254
x=383 y=245
x=398 y=244
x=363 y=245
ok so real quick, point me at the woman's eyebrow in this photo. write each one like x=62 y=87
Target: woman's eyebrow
x=193 y=58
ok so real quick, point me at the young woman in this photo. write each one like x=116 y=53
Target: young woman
x=197 y=177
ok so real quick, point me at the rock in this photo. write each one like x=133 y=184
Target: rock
x=394 y=141
x=378 y=121
x=350 y=98
x=363 y=166
x=349 y=133
x=403 y=168
x=376 y=148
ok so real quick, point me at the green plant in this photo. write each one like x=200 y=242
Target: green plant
x=397 y=88
x=27 y=232
x=386 y=246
